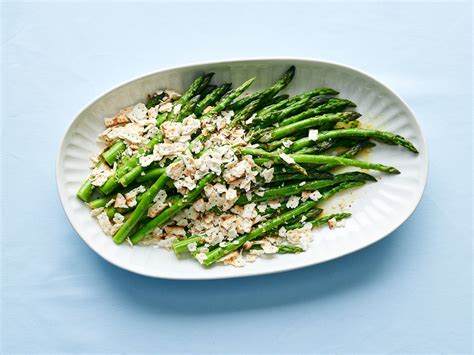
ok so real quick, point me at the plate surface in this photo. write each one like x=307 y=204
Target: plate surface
x=377 y=208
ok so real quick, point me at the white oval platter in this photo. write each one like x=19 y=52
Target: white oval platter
x=377 y=208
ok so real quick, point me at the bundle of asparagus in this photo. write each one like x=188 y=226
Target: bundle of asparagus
x=226 y=176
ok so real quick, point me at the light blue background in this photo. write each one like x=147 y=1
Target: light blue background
x=411 y=292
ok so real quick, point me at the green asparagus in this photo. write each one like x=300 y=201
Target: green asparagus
x=270 y=169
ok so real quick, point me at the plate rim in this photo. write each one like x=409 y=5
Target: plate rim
x=62 y=194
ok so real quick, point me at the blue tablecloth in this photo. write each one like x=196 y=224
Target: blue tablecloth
x=411 y=292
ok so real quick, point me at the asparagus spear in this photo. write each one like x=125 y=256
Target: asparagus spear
x=182 y=245
x=140 y=210
x=211 y=98
x=320 y=221
x=231 y=96
x=283 y=143
x=349 y=153
x=316 y=121
x=282 y=104
x=295 y=189
x=270 y=146
x=196 y=86
x=311 y=214
x=384 y=137
x=326 y=159
x=327 y=144
x=188 y=108
x=318 y=110
x=151 y=174
x=271 y=117
x=289 y=249
x=292 y=165
x=267 y=93
x=113 y=152
x=131 y=176
x=319 y=159
x=85 y=191
x=278 y=178
x=332 y=106
x=99 y=202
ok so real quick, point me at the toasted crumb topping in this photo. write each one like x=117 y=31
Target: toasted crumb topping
x=107 y=227
x=313 y=134
x=301 y=237
x=120 y=201
x=267 y=174
x=287 y=159
x=334 y=223
x=234 y=259
x=118 y=119
x=131 y=196
x=293 y=202
x=158 y=205
x=217 y=216
x=100 y=174
x=313 y=195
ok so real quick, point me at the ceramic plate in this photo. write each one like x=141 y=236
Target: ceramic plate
x=377 y=208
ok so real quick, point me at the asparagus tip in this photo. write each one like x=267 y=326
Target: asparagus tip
x=413 y=149
x=291 y=71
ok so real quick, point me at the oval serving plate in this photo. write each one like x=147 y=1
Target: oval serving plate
x=377 y=208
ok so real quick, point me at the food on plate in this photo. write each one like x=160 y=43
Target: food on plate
x=226 y=176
